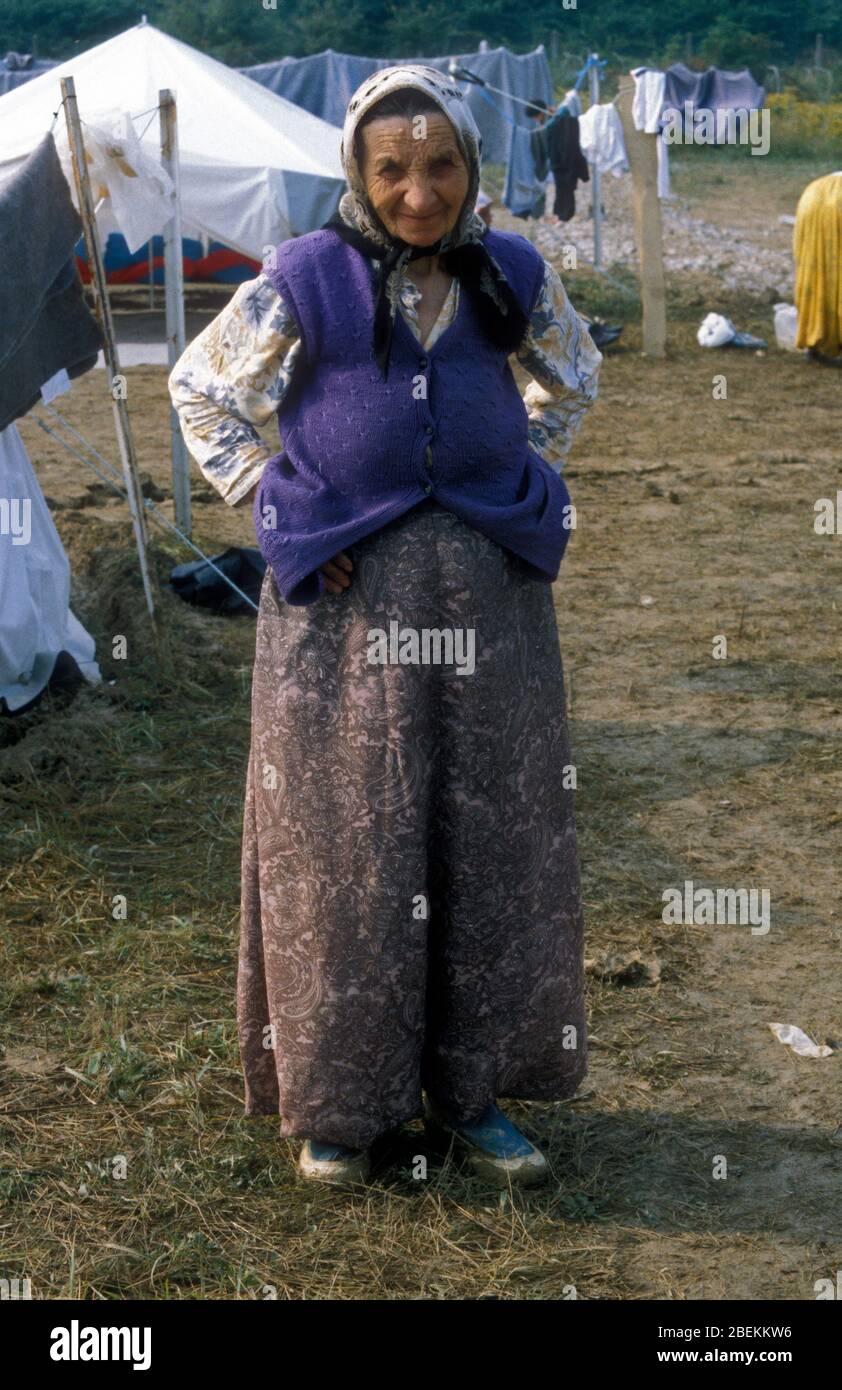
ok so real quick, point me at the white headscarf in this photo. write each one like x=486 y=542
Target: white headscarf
x=464 y=249
x=355 y=208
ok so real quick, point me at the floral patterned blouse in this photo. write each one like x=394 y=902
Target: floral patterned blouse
x=236 y=372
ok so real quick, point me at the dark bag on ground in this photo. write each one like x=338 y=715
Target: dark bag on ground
x=198 y=583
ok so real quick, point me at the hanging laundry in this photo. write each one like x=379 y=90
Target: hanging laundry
x=647 y=106
x=523 y=194
x=817 y=247
x=133 y=193
x=714 y=90
x=648 y=100
x=45 y=324
x=556 y=146
x=602 y=140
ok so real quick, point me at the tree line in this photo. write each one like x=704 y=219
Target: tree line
x=729 y=33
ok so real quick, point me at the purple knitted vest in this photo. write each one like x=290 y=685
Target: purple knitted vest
x=449 y=423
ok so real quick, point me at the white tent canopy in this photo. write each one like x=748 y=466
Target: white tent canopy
x=255 y=169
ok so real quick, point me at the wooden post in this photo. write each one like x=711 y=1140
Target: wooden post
x=174 y=302
x=642 y=154
x=102 y=305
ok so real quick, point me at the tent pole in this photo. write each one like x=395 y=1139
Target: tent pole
x=102 y=305
x=596 y=204
x=174 y=302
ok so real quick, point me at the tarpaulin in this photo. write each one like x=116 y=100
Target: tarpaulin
x=325 y=82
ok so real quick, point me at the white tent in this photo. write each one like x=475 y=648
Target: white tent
x=255 y=169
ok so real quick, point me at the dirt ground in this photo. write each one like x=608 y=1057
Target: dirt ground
x=695 y=521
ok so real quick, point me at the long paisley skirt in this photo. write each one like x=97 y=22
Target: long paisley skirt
x=411 y=910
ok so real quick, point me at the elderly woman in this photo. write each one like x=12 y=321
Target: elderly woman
x=411 y=914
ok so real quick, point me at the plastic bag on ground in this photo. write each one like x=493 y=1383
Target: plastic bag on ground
x=798 y=1041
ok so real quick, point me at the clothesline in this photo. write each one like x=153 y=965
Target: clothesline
x=603 y=274
x=133 y=115
x=592 y=62
x=153 y=109
x=157 y=515
x=500 y=112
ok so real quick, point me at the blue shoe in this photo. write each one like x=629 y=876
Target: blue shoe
x=333 y=1163
x=494 y=1147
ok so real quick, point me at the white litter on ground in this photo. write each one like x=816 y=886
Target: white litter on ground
x=799 y=1042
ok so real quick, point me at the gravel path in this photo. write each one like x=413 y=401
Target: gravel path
x=757 y=261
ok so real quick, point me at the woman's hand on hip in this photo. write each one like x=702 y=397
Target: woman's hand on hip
x=337 y=573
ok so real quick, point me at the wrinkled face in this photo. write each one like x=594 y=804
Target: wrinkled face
x=414 y=174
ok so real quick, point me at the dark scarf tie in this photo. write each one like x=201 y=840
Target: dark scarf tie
x=501 y=317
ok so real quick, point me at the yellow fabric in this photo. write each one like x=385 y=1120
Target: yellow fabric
x=817 y=245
